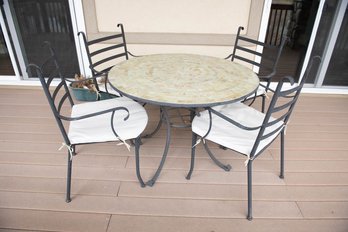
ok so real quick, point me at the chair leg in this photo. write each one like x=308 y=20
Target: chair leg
x=282 y=138
x=193 y=151
x=250 y=200
x=263 y=103
x=68 y=181
x=137 y=161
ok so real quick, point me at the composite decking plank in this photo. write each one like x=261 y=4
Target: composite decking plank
x=88 y=160
x=126 y=223
x=237 y=192
x=58 y=185
x=175 y=191
x=238 y=165
x=314 y=154
x=39 y=220
x=316 y=178
x=121 y=174
x=316 y=210
x=150 y=207
x=113 y=149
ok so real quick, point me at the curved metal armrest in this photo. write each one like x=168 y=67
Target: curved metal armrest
x=131 y=54
x=95 y=114
x=231 y=120
x=267 y=88
x=267 y=77
x=229 y=56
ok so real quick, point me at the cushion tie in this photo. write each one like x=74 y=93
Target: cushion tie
x=124 y=143
x=70 y=150
x=285 y=127
x=246 y=162
x=199 y=141
x=98 y=95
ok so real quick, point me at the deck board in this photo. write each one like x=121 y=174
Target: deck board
x=107 y=197
x=170 y=224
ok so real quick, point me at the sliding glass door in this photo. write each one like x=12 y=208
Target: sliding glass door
x=337 y=71
x=31 y=22
x=330 y=41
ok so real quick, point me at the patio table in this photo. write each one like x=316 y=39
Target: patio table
x=183 y=81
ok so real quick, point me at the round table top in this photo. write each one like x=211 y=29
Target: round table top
x=183 y=80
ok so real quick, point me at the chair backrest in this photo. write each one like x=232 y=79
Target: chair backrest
x=243 y=52
x=56 y=94
x=280 y=108
x=102 y=59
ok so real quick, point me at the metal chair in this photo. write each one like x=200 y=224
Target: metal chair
x=101 y=59
x=246 y=130
x=268 y=63
x=117 y=119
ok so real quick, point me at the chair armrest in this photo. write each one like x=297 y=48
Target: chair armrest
x=267 y=76
x=113 y=110
x=229 y=56
x=131 y=54
x=211 y=110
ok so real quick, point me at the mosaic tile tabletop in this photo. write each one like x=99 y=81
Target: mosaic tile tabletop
x=183 y=80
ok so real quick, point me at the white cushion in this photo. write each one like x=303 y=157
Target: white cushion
x=229 y=135
x=98 y=128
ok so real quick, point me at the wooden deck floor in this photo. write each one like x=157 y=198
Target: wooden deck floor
x=106 y=196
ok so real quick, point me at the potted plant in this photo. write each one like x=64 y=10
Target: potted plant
x=84 y=89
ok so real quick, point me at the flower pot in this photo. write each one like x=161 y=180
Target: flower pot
x=83 y=94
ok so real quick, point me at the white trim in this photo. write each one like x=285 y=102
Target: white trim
x=78 y=24
x=264 y=20
x=31 y=82
x=330 y=44
x=10 y=50
x=15 y=40
x=263 y=29
x=325 y=90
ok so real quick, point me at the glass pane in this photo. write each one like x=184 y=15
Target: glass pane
x=337 y=72
x=321 y=38
x=294 y=19
x=45 y=20
x=5 y=62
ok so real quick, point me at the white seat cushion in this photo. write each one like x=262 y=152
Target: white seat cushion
x=98 y=128
x=229 y=135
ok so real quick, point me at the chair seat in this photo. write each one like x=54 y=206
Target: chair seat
x=229 y=135
x=98 y=128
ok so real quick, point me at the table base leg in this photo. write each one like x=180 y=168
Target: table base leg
x=157 y=127
x=165 y=118
x=193 y=153
x=137 y=161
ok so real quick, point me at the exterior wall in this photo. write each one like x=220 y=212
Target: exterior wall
x=160 y=26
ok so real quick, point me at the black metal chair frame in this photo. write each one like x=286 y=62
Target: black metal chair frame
x=57 y=97
x=273 y=60
x=119 y=51
x=281 y=111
